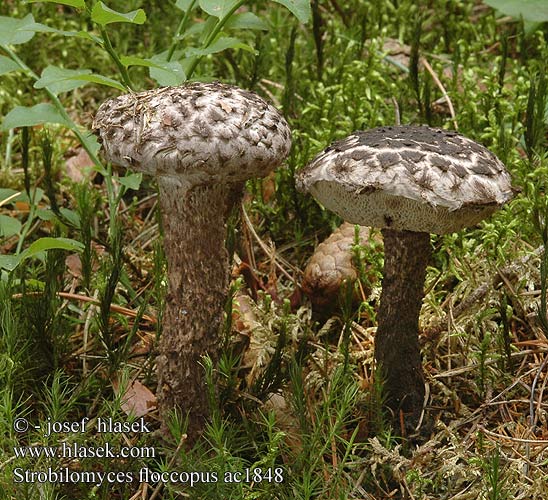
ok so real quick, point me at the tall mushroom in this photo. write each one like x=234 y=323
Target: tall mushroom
x=410 y=181
x=201 y=141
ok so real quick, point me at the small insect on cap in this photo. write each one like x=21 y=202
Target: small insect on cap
x=413 y=178
x=197 y=133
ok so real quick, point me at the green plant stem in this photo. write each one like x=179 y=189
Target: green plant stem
x=9 y=143
x=216 y=30
x=180 y=29
x=105 y=171
x=28 y=224
x=114 y=56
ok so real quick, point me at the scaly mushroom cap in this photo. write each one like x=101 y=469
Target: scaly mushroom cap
x=413 y=178
x=198 y=133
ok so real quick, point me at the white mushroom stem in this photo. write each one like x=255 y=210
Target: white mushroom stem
x=194 y=223
x=397 y=351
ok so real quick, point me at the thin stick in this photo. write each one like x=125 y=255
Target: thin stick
x=397 y=117
x=532 y=442
x=84 y=298
x=271 y=255
x=443 y=91
x=156 y=492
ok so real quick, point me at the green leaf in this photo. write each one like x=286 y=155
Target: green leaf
x=128 y=61
x=535 y=11
x=299 y=8
x=217 y=8
x=91 y=142
x=246 y=20
x=49 y=243
x=9 y=194
x=9 y=226
x=103 y=15
x=78 y=4
x=166 y=73
x=206 y=28
x=22 y=116
x=42 y=28
x=59 y=80
x=195 y=29
x=184 y=5
x=222 y=43
x=71 y=216
x=36 y=195
x=101 y=80
x=14 y=31
x=45 y=214
x=7 y=65
x=131 y=181
x=9 y=262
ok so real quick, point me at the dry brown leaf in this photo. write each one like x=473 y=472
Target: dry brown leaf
x=137 y=400
x=74 y=265
x=77 y=165
x=285 y=420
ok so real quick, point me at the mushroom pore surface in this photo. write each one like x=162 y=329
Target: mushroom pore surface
x=412 y=178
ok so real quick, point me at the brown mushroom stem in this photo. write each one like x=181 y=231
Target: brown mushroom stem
x=397 y=351
x=194 y=223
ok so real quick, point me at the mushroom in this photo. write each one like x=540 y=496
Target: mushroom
x=201 y=141
x=410 y=181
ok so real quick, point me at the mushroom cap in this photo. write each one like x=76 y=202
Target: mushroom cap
x=413 y=178
x=198 y=133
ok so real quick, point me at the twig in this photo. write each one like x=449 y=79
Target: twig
x=532 y=412
x=9 y=198
x=397 y=117
x=437 y=81
x=156 y=492
x=532 y=442
x=469 y=368
x=270 y=254
x=84 y=298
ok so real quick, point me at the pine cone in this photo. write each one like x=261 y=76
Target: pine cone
x=330 y=265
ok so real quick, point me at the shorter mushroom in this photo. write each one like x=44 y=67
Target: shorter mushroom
x=410 y=181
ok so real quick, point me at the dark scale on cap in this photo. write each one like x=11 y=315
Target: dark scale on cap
x=388 y=159
x=342 y=166
x=419 y=177
x=411 y=155
x=410 y=166
x=361 y=154
x=440 y=162
x=459 y=169
x=482 y=168
x=201 y=130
